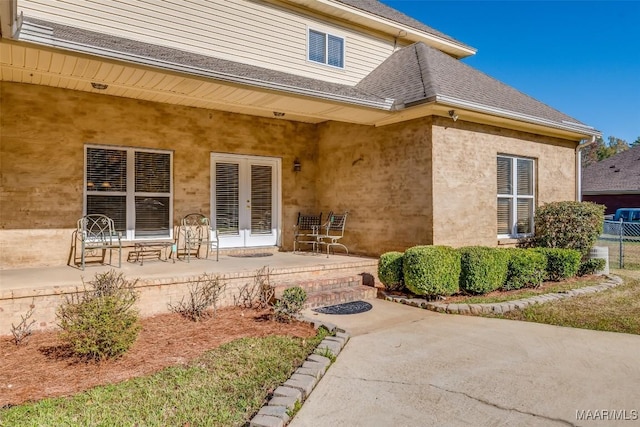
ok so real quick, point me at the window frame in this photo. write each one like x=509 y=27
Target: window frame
x=327 y=34
x=514 y=196
x=130 y=193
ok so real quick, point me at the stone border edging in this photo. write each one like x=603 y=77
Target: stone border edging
x=302 y=382
x=503 y=307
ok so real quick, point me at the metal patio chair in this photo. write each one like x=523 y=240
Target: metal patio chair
x=194 y=233
x=332 y=231
x=98 y=233
x=306 y=230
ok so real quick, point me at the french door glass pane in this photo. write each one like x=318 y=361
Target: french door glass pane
x=504 y=216
x=152 y=217
x=227 y=198
x=106 y=170
x=525 y=177
x=115 y=207
x=504 y=175
x=525 y=216
x=261 y=199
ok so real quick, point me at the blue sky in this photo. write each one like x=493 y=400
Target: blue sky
x=579 y=57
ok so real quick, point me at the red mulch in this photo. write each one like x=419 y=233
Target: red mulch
x=42 y=368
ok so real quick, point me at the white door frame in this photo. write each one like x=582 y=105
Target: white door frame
x=244 y=239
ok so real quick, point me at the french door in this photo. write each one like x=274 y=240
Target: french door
x=245 y=200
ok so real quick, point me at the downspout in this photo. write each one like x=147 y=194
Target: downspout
x=583 y=143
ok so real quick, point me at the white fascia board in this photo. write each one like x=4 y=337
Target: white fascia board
x=573 y=127
x=42 y=35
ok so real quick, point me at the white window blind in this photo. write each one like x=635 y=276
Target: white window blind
x=227 y=198
x=261 y=199
x=133 y=187
x=326 y=48
x=516 y=199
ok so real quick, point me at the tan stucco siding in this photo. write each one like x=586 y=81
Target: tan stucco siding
x=465 y=182
x=44 y=131
x=382 y=176
x=251 y=32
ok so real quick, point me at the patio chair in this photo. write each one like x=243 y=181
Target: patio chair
x=306 y=230
x=332 y=231
x=98 y=233
x=194 y=233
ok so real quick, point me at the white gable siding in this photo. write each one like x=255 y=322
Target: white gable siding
x=251 y=32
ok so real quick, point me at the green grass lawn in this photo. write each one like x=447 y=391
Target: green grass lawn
x=224 y=387
x=614 y=310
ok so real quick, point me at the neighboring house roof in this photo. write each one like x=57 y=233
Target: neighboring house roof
x=375 y=7
x=617 y=174
x=419 y=74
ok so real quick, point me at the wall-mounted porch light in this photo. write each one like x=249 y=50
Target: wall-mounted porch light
x=297 y=167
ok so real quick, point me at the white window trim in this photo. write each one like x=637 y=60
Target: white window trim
x=130 y=193
x=328 y=33
x=514 y=197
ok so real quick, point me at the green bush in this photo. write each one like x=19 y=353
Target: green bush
x=483 y=269
x=526 y=269
x=290 y=304
x=390 y=271
x=591 y=266
x=431 y=270
x=569 y=225
x=561 y=263
x=101 y=322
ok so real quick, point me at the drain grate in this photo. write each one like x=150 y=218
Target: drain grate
x=354 y=307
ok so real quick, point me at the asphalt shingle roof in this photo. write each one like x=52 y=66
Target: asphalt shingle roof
x=418 y=73
x=617 y=173
x=377 y=8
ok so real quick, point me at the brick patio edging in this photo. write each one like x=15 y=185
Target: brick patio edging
x=503 y=307
x=302 y=382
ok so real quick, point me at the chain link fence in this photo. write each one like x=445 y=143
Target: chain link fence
x=623 y=241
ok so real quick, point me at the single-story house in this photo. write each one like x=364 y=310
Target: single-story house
x=614 y=182
x=251 y=111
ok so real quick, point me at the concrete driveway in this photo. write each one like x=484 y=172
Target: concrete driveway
x=410 y=367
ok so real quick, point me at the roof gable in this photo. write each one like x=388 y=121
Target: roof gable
x=419 y=73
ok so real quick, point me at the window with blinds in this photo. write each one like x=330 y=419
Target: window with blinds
x=227 y=198
x=326 y=48
x=133 y=187
x=261 y=199
x=516 y=196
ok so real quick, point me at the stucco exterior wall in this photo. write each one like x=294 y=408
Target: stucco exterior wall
x=382 y=176
x=465 y=182
x=42 y=138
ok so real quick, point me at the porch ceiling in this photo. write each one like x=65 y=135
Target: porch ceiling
x=29 y=63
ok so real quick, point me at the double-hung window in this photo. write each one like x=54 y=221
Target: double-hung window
x=131 y=186
x=326 y=48
x=516 y=196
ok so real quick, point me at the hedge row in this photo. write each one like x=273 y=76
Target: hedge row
x=442 y=270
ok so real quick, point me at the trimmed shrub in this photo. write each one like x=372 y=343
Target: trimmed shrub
x=561 y=263
x=390 y=271
x=569 y=225
x=591 y=266
x=483 y=269
x=431 y=270
x=526 y=269
x=290 y=304
x=101 y=322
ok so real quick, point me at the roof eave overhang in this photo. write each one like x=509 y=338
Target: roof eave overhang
x=474 y=112
x=384 y=25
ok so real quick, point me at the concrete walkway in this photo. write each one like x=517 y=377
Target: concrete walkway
x=406 y=366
